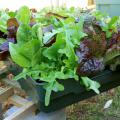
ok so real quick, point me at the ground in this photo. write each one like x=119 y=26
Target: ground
x=92 y=109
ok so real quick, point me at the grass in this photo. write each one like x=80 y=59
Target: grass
x=92 y=109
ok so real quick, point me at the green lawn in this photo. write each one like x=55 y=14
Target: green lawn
x=92 y=109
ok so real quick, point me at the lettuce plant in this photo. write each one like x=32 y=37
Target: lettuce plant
x=52 y=63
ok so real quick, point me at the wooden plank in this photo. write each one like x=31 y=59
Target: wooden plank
x=3 y=69
x=23 y=112
x=91 y=2
x=91 y=7
x=12 y=83
x=18 y=101
x=1 y=112
x=5 y=93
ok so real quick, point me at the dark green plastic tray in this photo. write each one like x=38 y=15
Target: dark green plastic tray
x=73 y=92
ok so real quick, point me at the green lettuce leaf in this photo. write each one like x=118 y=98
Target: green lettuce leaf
x=90 y=84
x=37 y=33
x=3 y=21
x=17 y=57
x=23 y=15
x=24 y=34
x=52 y=52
